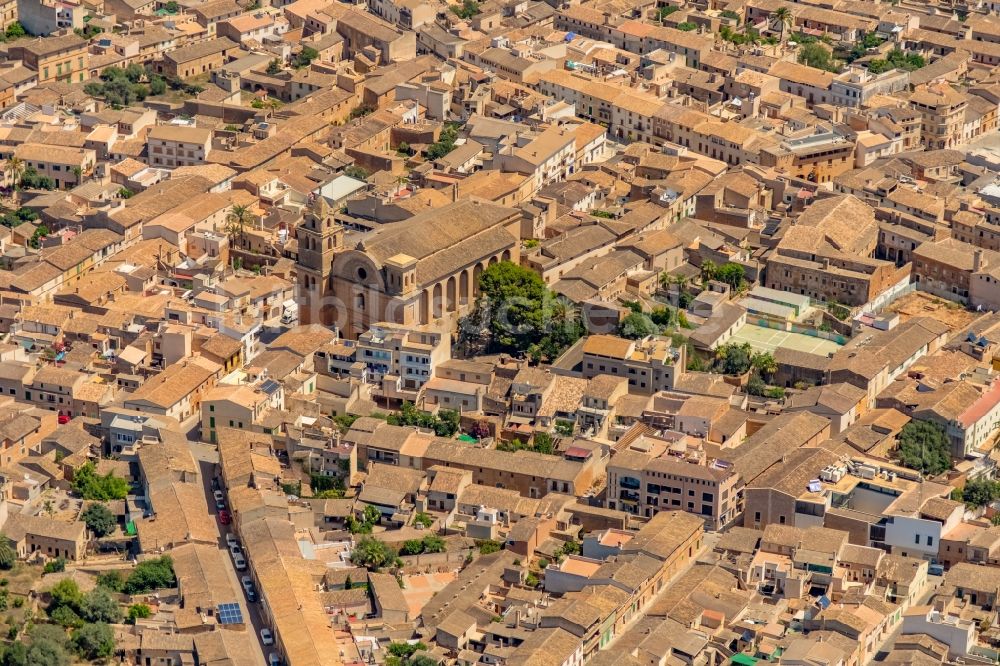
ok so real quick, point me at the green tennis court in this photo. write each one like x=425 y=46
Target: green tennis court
x=768 y=339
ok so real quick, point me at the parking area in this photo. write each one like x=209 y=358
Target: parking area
x=768 y=339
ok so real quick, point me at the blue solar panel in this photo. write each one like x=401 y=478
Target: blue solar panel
x=230 y=614
x=270 y=386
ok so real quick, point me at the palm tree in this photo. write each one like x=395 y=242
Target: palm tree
x=707 y=269
x=78 y=172
x=15 y=168
x=765 y=364
x=237 y=220
x=782 y=18
x=7 y=553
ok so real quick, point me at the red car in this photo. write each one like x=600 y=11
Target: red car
x=63 y=419
x=224 y=517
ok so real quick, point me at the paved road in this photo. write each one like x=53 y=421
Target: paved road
x=207 y=456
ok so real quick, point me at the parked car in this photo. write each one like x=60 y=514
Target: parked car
x=224 y=517
x=234 y=549
x=231 y=540
x=219 y=497
x=266 y=637
x=248 y=587
x=63 y=419
x=936 y=569
x=273 y=659
x=239 y=562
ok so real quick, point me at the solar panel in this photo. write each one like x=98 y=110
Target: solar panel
x=270 y=386
x=230 y=614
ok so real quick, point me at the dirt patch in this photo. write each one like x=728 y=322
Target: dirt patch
x=921 y=304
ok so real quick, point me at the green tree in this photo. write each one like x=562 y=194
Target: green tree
x=172 y=6
x=92 y=486
x=708 y=268
x=924 y=446
x=157 y=85
x=518 y=314
x=17 y=653
x=433 y=544
x=542 y=443
x=240 y=216
x=372 y=554
x=488 y=546
x=274 y=67
x=730 y=14
x=733 y=359
x=8 y=556
x=636 y=326
x=47 y=652
x=564 y=428
x=15 y=31
x=65 y=616
x=687 y=26
x=138 y=612
x=782 y=18
x=732 y=274
x=412 y=547
x=305 y=56
x=405 y=650
x=55 y=566
x=99 y=519
x=14 y=168
x=94 y=641
x=664 y=12
x=354 y=171
x=112 y=580
x=765 y=364
x=467 y=9
x=980 y=492
x=570 y=548
x=149 y=575
x=99 y=606
x=445 y=143
x=65 y=593
x=817 y=55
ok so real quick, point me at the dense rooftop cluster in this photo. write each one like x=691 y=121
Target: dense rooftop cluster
x=499 y=332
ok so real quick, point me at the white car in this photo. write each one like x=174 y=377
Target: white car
x=273 y=659
x=231 y=540
x=266 y=637
x=219 y=497
x=240 y=562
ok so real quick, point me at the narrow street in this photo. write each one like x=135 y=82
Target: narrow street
x=207 y=457
x=709 y=541
x=933 y=582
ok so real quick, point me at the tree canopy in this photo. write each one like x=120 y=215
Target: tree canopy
x=818 y=55
x=155 y=574
x=923 y=445
x=372 y=554
x=732 y=274
x=94 y=641
x=99 y=519
x=518 y=314
x=636 y=326
x=92 y=486
x=444 y=423
x=980 y=492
